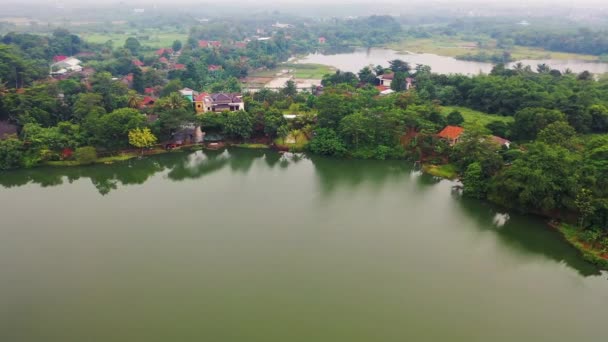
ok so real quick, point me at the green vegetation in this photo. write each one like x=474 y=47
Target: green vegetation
x=252 y=146
x=148 y=38
x=586 y=241
x=85 y=155
x=474 y=117
x=447 y=171
x=453 y=46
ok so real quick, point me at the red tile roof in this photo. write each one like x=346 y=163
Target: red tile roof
x=240 y=45
x=203 y=44
x=149 y=90
x=215 y=43
x=451 y=132
x=138 y=63
x=147 y=101
x=163 y=60
x=179 y=66
x=59 y=58
x=201 y=97
x=161 y=52
x=382 y=88
x=214 y=67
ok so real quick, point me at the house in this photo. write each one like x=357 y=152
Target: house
x=147 y=101
x=452 y=134
x=322 y=40
x=138 y=63
x=281 y=26
x=179 y=67
x=7 y=129
x=214 y=67
x=127 y=80
x=59 y=58
x=501 y=141
x=386 y=79
x=219 y=102
x=204 y=44
x=240 y=45
x=65 y=66
x=164 y=51
x=163 y=60
x=188 y=93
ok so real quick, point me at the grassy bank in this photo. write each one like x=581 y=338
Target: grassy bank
x=447 y=171
x=300 y=71
x=591 y=252
x=252 y=146
x=472 y=116
x=454 y=46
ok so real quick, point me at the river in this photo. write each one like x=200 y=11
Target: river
x=243 y=245
x=358 y=59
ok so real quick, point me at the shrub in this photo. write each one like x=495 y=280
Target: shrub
x=85 y=155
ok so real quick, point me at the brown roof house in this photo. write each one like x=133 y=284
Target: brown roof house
x=452 y=134
x=386 y=79
x=219 y=102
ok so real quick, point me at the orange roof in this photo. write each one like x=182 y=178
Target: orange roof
x=451 y=132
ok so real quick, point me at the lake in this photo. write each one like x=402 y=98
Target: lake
x=361 y=58
x=249 y=245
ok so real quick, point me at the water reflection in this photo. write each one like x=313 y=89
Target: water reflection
x=523 y=234
x=518 y=232
x=179 y=166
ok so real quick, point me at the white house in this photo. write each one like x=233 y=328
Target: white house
x=65 y=66
x=386 y=79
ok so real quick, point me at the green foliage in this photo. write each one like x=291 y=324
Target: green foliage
x=530 y=121
x=399 y=83
x=474 y=181
x=455 y=118
x=544 y=179
x=11 y=154
x=238 y=124
x=326 y=142
x=85 y=155
x=111 y=130
x=142 y=138
x=133 y=45
x=273 y=120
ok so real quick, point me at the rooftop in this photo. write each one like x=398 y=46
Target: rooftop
x=451 y=132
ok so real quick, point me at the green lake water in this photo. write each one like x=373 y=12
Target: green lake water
x=244 y=245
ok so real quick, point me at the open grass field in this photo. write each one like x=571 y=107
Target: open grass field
x=453 y=46
x=472 y=116
x=300 y=71
x=149 y=38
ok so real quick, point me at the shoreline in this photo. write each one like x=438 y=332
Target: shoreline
x=587 y=251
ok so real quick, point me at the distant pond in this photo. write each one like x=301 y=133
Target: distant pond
x=355 y=61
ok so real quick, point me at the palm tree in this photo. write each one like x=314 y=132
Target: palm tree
x=519 y=67
x=134 y=100
x=175 y=101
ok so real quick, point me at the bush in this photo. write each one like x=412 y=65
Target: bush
x=327 y=142
x=10 y=154
x=85 y=155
